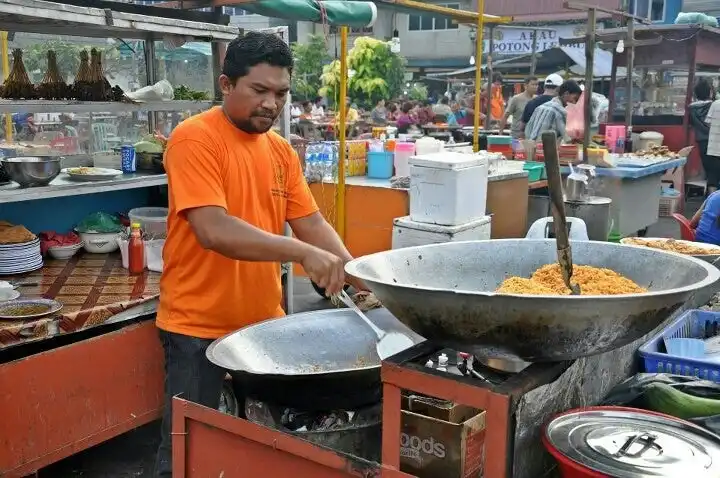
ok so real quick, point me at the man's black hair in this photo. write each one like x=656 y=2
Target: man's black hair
x=444 y=100
x=318 y=99
x=703 y=90
x=255 y=48
x=529 y=79
x=571 y=87
x=497 y=78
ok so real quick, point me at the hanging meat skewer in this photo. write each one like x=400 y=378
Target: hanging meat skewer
x=53 y=86
x=81 y=87
x=18 y=86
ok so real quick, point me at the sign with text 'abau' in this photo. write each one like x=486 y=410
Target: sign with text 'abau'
x=520 y=41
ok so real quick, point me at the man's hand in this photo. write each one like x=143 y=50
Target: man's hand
x=325 y=269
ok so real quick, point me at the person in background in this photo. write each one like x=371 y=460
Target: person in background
x=552 y=116
x=425 y=112
x=307 y=108
x=465 y=114
x=497 y=103
x=378 y=115
x=25 y=127
x=405 y=119
x=550 y=91
x=443 y=108
x=706 y=220
x=233 y=184
x=393 y=112
x=699 y=112
x=516 y=107
x=318 y=112
x=452 y=118
x=295 y=112
x=352 y=115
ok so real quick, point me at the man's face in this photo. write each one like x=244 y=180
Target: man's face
x=381 y=103
x=255 y=101
x=570 y=98
x=532 y=87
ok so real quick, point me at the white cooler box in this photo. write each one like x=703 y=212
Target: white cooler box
x=408 y=233
x=448 y=188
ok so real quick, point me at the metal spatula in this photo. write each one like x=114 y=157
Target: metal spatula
x=557 y=201
x=389 y=343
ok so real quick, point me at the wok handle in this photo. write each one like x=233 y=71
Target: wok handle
x=557 y=201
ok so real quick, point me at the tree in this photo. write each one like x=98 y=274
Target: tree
x=68 y=58
x=309 y=60
x=377 y=73
x=418 y=92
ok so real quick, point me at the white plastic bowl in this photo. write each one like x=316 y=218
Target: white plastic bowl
x=65 y=252
x=100 y=242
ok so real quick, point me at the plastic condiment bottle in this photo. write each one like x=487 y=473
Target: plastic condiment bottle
x=429 y=364
x=442 y=363
x=136 y=251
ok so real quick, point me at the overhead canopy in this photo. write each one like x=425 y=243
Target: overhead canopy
x=333 y=12
x=548 y=61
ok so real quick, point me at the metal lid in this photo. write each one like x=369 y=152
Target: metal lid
x=630 y=443
x=590 y=200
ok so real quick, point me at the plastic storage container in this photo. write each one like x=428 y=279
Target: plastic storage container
x=380 y=165
x=408 y=233
x=448 y=188
x=403 y=153
x=693 y=324
x=152 y=220
x=535 y=170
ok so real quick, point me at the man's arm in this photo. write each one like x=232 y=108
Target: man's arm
x=315 y=230
x=696 y=217
x=508 y=111
x=307 y=222
x=196 y=187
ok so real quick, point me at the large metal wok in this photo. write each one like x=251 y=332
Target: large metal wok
x=319 y=360
x=445 y=293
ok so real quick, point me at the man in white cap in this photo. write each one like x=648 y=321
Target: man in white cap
x=550 y=91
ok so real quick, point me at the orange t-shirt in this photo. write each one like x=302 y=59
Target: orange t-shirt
x=497 y=104
x=256 y=178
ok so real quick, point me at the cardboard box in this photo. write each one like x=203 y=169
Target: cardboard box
x=441 y=440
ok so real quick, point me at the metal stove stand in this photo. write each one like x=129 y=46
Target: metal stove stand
x=407 y=371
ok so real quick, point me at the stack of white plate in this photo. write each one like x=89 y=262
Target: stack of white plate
x=19 y=258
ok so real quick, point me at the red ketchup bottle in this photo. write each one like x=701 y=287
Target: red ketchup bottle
x=136 y=251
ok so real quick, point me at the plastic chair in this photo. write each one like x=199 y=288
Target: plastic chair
x=539 y=229
x=687 y=233
x=101 y=133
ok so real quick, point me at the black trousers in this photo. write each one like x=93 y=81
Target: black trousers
x=711 y=165
x=188 y=375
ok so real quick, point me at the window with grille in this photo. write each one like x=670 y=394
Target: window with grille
x=427 y=22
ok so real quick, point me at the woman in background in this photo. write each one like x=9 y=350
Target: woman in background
x=706 y=221
x=699 y=110
x=405 y=119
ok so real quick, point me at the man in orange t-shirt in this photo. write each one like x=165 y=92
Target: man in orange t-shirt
x=233 y=184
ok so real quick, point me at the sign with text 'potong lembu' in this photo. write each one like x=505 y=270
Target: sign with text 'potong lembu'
x=520 y=41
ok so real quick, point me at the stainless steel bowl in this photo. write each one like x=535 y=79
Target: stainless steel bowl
x=32 y=171
x=446 y=293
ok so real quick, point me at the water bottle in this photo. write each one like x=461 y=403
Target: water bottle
x=327 y=161
x=335 y=159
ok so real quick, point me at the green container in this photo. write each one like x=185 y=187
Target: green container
x=497 y=140
x=535 y=170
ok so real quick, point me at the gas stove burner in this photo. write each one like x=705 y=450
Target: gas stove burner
x=505 y=365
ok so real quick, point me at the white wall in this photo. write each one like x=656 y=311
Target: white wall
x=414 y=44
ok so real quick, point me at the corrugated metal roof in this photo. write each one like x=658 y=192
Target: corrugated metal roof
x=540 y=10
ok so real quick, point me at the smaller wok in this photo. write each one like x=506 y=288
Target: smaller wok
x=320 y=360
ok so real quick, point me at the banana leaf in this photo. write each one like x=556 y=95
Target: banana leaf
x=333 y=12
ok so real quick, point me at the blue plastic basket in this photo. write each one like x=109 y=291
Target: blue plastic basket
x=689 y=325
x=380 y=164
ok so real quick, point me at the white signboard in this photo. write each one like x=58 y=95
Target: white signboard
x=520 y=41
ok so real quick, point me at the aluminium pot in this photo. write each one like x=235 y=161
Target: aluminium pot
x=620 y=442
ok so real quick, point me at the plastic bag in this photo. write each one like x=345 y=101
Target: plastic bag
x=696 y=18
x=630 y=393
x=575 y=126
x=160 y=91
x=100 y=222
